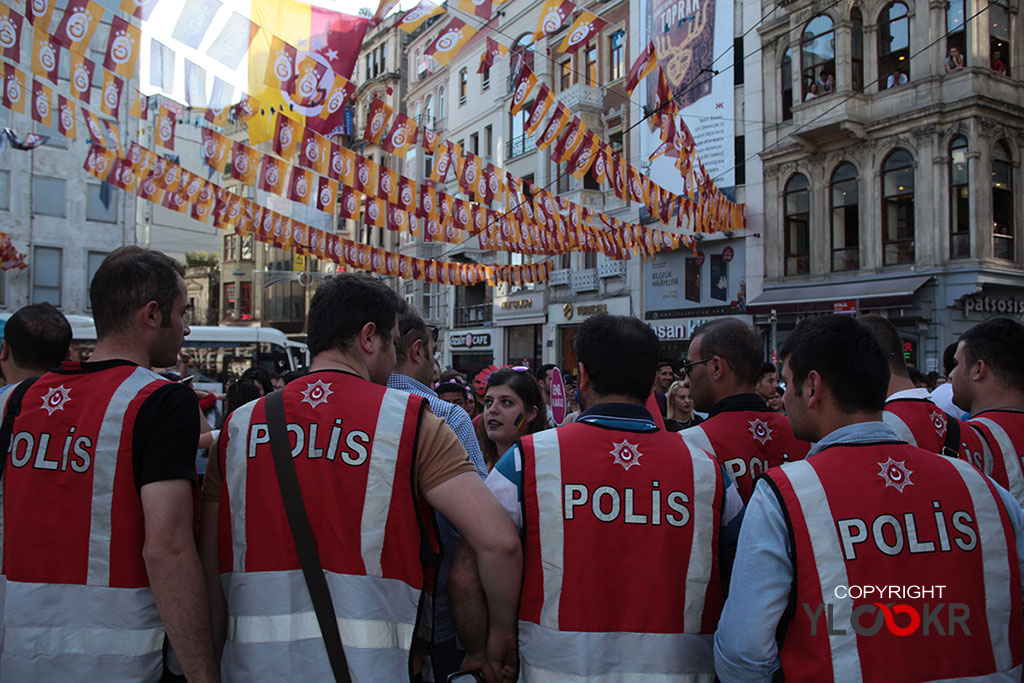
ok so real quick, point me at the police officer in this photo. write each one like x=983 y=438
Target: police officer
x=36 y=339
x=988 y=382
x=627 y=532
x=371 y=462
x=906 y=562
x=99 y=556
x=909 y=410
x=724 y=363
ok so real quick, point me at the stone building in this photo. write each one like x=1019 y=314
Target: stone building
x=892 y=151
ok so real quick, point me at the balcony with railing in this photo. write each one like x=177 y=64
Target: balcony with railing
x=518 y=146
x=474 y=315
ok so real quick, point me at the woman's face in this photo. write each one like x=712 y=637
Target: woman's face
x=501 y=408
x=682 y=401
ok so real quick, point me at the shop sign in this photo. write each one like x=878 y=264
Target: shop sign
x=847 y=306
x=990 y=305
x=469 y=340
x=570 y=311
x=679 y=331
x=519 y=307
x=558 y=400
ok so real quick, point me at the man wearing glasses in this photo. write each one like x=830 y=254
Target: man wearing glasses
x=741 y=431
x=414 y=369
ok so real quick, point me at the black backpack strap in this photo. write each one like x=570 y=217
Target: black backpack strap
x=302 y=534
x=11 y=412
x=952 y=445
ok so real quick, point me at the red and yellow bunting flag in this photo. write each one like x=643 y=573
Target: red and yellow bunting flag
x=14 y=94
x=10 y=33
x=42 y=103
x=525 y=86
x=478 y=8
x=287 y=136
x=333 y=110
x=45 y=56
x=244 y=163
x=377 y=121
x=493 y=50
x=586 y=26
x=569 y=142
x=166 y=121
x=272 y=175
x=642 y=67
x=415 y=17
x=585 y=156
x=316 y=152
x=401 y=137
x=140 y=9
x=281 y=66
x=122 y=55
x=38 y=13
x=327 y=195
x=66 y=120
x=80 y=74
x=559 y=120
x=301 y=185
x=110 y=100
x=139 y=107
x=99 y=160
x=553 y=14
x=450 y=41
x=216 y=149
x=81 y=18
x=541 y=106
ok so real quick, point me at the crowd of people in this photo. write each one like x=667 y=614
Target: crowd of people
x=377 y=519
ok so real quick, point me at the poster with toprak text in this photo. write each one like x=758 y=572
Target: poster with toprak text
x=698 y=32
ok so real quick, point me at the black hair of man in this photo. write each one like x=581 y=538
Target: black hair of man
x=949 y=358
x=620 y=355
x=890 y=340
x=767 y=369
x=542 y=371
x=411 y=327
x=293 y=375
x=39 y=337
x=238 y=393
x=128 y=279
x=665 y=363
x=452 y=387
x=343 y=304
x=735 y=341
x=846 y=354
x=260 y=376
x=998 y=341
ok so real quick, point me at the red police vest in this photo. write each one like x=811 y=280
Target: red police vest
x=893 y=515
x=921 y=423
x=747 y=442
x=621 y=555
x=77 y=603
x=353 y=444
x=1003 y=434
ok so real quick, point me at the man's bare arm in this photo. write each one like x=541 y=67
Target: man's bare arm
x=472 y=509
x=468 y=605
x=176 y=577
x=210 y=558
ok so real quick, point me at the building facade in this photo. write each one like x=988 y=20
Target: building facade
x=891 y=157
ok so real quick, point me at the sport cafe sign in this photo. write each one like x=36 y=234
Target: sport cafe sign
x=469 y=340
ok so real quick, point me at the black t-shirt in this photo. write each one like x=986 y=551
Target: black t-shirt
x=166 y=431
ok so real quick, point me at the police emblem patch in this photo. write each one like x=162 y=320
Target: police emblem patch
x=625 y=454
x=760 y=431
x=895 y=474
x=316 y=393
x=55 y=399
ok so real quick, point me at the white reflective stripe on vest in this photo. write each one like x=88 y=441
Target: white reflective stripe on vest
x=547 y=463
x=828 y=560
x=104 y=467
x=995 y=561
x=381 y=478
x=80 y=640
x=616 y=656
x=698 y=568
x=898 y=426
x=696 y=437
x=1011 y=462
x=235 y=463
x=1011 y=676
x=286 y=628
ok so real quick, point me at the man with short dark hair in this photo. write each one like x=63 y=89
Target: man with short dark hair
x=36 y=339
x=908 y=410
x=372 y=464
x=767 y=383
x=545 y=373
x=627 y=533
x=988 y=382
x=725 y=362
x=863 y=511
x=942 y=396
x=414 y=351
x=662 y=382
x=102 y=467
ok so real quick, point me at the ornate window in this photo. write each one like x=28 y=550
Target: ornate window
x=844 y=218
x=818 y=58
x=893 y=46
x=959 y=200
x=999 y=37
x=857 y=49
x=787 y=85
x=956 y=36
x=1002 y=202
x=797 y=221
x=617 y=55
x=898 y=208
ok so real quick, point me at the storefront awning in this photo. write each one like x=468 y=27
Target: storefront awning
x=819 y=296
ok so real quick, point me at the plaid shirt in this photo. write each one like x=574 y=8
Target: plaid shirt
x=460 y=423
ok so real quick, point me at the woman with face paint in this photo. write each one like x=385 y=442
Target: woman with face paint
x=512 y=408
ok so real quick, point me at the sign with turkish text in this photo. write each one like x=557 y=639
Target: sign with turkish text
x=559 y=401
